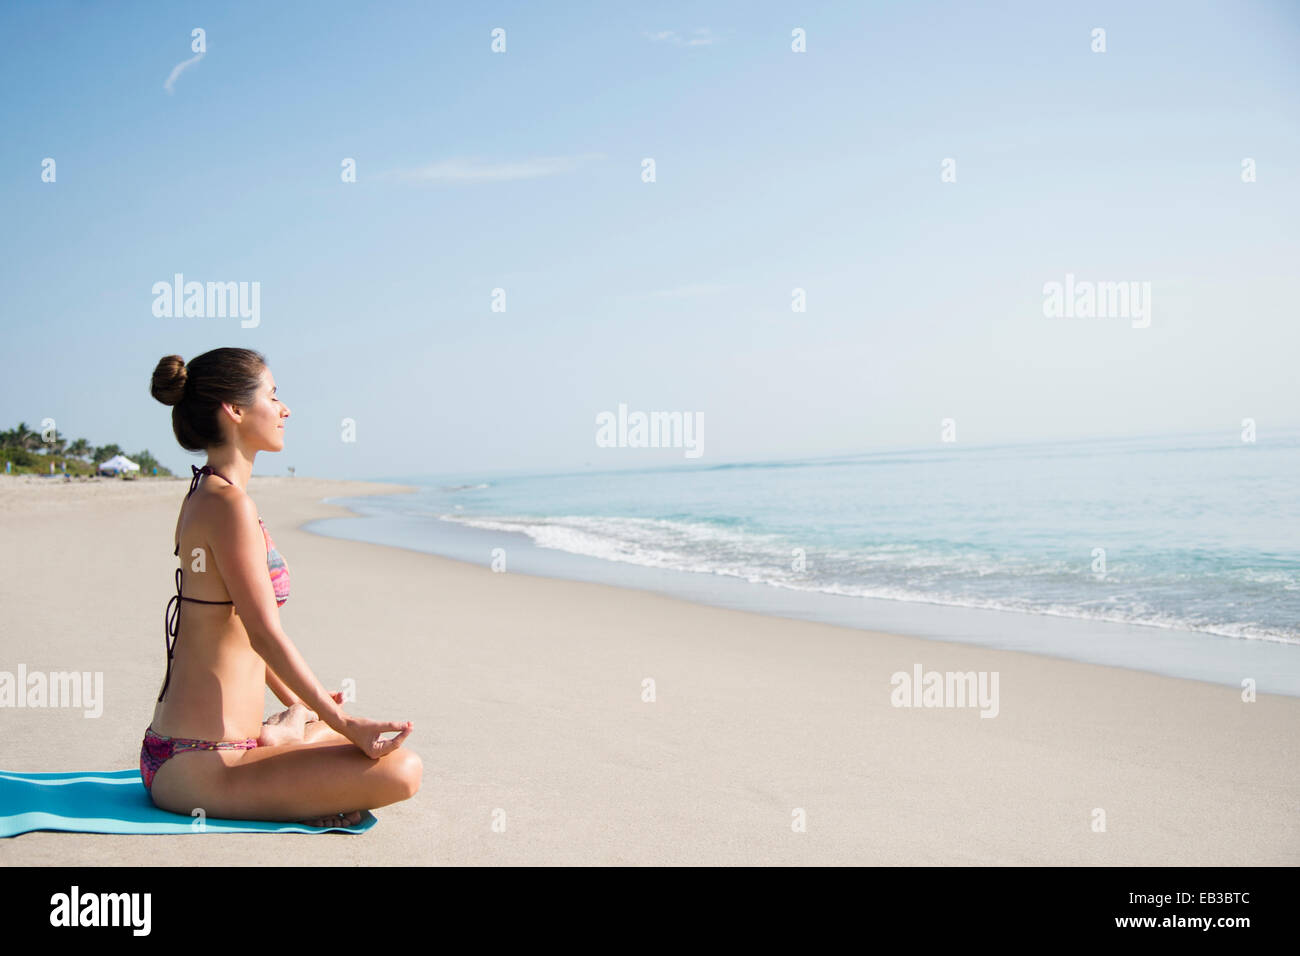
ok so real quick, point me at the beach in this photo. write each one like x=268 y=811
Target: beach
x=566 y=722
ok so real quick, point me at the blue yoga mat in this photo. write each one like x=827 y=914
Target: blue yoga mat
x=114 y=801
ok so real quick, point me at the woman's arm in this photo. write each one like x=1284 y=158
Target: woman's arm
x=240 y=558
x=280 y=689
x=281 y=657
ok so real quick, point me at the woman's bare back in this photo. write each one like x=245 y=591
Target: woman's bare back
x=217 y=679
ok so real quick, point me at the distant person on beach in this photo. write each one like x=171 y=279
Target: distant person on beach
x=311 y=763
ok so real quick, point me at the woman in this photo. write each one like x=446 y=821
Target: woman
x=207 y=746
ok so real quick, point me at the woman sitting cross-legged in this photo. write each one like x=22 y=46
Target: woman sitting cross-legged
x=311 y=763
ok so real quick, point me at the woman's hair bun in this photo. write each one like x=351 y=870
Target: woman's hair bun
x=197 y=390
x=168 y=385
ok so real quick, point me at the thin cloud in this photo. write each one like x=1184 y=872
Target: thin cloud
x=699 y=37
x=180 y=68
x=476 y=171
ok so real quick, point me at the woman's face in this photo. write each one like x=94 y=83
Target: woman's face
x=263 y=424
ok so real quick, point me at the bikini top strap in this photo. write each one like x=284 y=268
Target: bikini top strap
x=205 y=470
x=171 y=619
x=171 y=628
x=194 y=483
x=172 y=616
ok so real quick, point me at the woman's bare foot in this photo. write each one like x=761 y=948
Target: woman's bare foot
x=286 y=727
x=346 y=820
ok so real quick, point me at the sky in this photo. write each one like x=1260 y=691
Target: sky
x=774 y=170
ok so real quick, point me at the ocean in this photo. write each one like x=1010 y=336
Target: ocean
x=1175 y=554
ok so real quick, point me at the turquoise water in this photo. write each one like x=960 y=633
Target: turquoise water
x=1199 y=534
x=1137 y=537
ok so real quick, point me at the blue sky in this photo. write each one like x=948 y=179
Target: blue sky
x=775 y=170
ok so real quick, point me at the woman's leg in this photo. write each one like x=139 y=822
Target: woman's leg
x=317 y=731
x=290 y=783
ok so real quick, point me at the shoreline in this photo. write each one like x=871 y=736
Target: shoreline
x=1206 y=657
x=527 y=695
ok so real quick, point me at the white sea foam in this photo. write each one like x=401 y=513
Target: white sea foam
x=916 y=575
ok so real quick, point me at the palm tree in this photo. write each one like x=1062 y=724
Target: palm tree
x=22 y=438
x=105 y=452
x=148 y=463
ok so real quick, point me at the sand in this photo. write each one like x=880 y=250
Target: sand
x=527 y=699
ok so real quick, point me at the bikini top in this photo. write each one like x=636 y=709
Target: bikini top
x=279 y=572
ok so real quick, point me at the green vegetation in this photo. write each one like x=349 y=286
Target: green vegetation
x=31 y=453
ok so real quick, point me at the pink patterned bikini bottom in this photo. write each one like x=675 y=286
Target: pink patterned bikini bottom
x=157 y=750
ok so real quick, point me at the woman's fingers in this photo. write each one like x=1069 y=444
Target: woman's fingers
x=371 y=741
x=385 y=746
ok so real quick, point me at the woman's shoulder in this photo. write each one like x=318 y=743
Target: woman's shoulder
x=224 y=514
x=228 y=501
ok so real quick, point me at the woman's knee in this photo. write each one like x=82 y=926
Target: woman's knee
x=407 y=768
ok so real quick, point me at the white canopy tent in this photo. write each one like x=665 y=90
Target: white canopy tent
x=117 y=465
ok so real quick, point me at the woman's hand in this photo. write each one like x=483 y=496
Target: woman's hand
x=316 y=730
x=365 y=733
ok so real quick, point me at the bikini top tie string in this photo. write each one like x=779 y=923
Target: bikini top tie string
x=171 y=628
x=172 y=616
